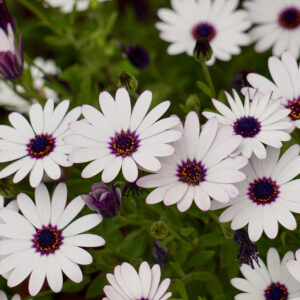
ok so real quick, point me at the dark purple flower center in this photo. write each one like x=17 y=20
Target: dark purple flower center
x=289 y=18
x=263 y=191
x=203 y=31
x=124 y=143
x=47 y=240
x=294 y=106
x=247 y=127
x=41 y=145
x=191 y=172
x=276 y=291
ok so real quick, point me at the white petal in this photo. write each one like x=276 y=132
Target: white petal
x=146 y=161
x=37 y=277
x=123 y=106
x=21 y=124
x=54 y=274
x=76 y=254
x=36 y=173
x=201 y=199
x=175 y=193
x=111 y=171
x=97 y=166
x=42 y=200
x=59 y=200
x=37 y=118
x=85 y=240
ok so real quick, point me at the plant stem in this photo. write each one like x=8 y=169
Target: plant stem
x=208 y=79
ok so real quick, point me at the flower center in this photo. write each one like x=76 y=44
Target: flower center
x=276 y=291
x=294 y=106
x=124 y=143
x=41 y=145
x=247 y=127
x=191 y=172
x=289 y=18
x=47 y=240
x=203 y=31
x=263 y=191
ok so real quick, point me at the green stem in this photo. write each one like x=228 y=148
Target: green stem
x=208 y=79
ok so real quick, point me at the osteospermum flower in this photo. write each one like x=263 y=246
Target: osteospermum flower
x=286 y=87
x=215 y=20
x=271 y=282
x=41 y=242
x=278 y=25
x=268 y=195
x=127 y=284
x=200 y=168
x=37 y=146
x=119 y=138
x=261 y=121
x=67 y=6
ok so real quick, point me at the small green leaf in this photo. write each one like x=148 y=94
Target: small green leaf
x=204 y=88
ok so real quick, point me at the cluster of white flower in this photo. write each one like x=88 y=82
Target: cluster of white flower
x=232 y=161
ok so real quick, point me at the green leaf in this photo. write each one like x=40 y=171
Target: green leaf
x=94 y=289
x=211 y=239
x=181 y=289
x=204 y=88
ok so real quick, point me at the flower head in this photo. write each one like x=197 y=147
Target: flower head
x=278 y=25
x=271 y=282
x=200 y=169
x=42 y=242
x=127 y=284
x=217 y=21
x=268 y=195
x=261 y=121
x=104 y=200
x=118 y=138
x=37 y=146
x=11 y=59
x=285 y=88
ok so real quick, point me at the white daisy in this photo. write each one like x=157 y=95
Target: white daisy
x=293 y=266
x=261 y=121
x=200 y=168
x=271 y=282
x=4 y=297
x=41 y=242
x=67 y=6
x=37 y=146
x=38 y=71
x=127 y=284
x=11 y=100
x=120 y=138
x=268 y=195
x=286 y=87
x=216 y=20
x=278 y=25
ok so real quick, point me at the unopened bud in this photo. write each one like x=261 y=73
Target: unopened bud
x=128 y=82
x=159 y=229
x=202 y=51
x=104 y=200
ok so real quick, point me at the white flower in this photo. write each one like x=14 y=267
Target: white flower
x=216 y=20
x=268 y=195
x=278 y=25
x=42 y=243
x=67 y=5
x=127 y=284
x=261 y=121
x=11 y=100
x=120 y=138
x=37 y=146
x=293 y=266
x=286 y=87
x=267 y=282
x=38 y=71
x=4 y=297
x=200 y=168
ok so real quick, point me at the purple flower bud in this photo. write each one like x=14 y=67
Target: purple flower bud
x=5 y=17
x=159 y=253
x=248 y=251
x=138 y=56
x=11 y=59
x=104 y=200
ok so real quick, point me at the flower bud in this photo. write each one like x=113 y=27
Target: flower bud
x=248 y=251
x=128 y=82
x=202 y=51
x=104 y=200
x=5 y=17
x=159 y=254
x=159 y=229
x=137 y=55
x=11 y=59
